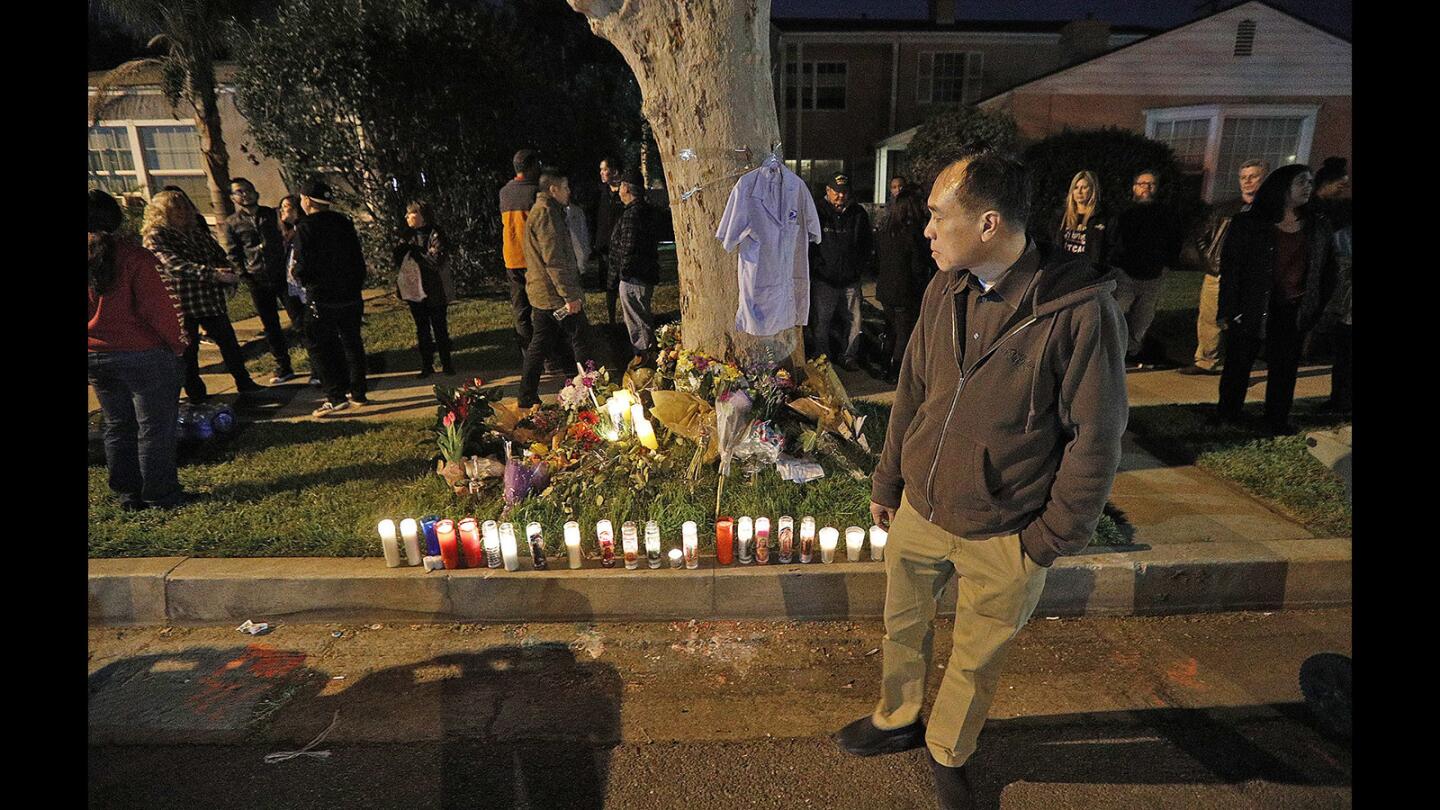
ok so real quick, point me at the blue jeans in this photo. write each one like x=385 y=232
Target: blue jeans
x=829 y=304
x=139 y=395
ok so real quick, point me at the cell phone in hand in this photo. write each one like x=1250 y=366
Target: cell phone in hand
x=561 y=313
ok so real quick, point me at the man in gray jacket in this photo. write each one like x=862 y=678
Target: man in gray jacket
x=1002 y=446
x=552 y=283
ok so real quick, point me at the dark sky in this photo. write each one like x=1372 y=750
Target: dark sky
x=1334 y=15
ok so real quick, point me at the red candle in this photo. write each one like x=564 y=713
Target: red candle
x=725 y=540
x=449 y=549
x=470 y=543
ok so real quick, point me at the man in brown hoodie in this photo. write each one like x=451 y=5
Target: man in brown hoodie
x=552 y=283
x=1002 y=446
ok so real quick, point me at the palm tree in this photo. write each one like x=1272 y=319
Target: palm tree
x=191 y=33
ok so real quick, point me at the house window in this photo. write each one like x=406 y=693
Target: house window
x=816 y=173
x=949 y=77
x=817 y=85
x=112 y=162
x=1245 y=38
x=169 y=154
x=1210 y=142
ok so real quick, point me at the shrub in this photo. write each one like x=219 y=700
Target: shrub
x=951 y=134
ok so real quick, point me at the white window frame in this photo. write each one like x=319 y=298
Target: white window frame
x=970 y=83
x=1217 y=113
x=814 y=85
x=146 y=176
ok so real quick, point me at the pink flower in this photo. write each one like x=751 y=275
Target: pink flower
x=450 y=419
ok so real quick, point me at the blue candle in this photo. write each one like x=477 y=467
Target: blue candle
x=432 y=540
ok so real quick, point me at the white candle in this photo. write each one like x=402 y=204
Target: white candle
x=508 y=548
x=807 y=539
x=605 y=538
x=535 y=537
x=572 y=543
x=388 y=544
x=785 y=527
x=630 y=537
x=744 y=532
x=878 y=536
x=410 y=530
x=691 y=541
x=652 y=543
x=829 y=538
x=762 y=540
x=637 y=413
x=677 y=559
x=854 y=542
x=490 y=535
x=646 y=433
x=617 y=406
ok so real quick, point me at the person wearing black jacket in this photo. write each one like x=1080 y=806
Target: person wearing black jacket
x=257 y=251
x=836 y=265
x=608 y=206
x=1080 y=230
x=903 y=269
x=1145 y=239
x=635 y=257
x=1276 y=265
x=330 y=265
x=423 y=281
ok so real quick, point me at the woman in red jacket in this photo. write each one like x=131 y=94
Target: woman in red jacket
x=135 y=348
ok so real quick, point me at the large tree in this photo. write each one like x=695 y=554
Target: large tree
x=191 y=34
x=704 y=73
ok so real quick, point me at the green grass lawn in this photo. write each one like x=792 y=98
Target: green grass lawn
x=1277 y=469
x=320 y=488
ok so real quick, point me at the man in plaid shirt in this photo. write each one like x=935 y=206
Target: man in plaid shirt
x=635 y=256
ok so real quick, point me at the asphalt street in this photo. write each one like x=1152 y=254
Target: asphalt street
x=1182 y=711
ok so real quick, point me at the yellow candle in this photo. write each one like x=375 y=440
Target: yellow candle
x=637 y=413
x=646 y=432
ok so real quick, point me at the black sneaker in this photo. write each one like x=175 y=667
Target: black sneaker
x=952 y=787
x=862 y=739
x=848 y=363
x=1193 y=370
x=249 y=387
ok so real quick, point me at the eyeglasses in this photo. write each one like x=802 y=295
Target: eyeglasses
x=1145 y=185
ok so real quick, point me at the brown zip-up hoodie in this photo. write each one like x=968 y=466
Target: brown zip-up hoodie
x=1027 y=439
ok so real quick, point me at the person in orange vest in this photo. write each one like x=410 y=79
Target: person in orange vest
x=517 y=197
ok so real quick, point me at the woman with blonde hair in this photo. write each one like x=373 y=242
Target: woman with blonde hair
x=1081 y=231
x=196 y=271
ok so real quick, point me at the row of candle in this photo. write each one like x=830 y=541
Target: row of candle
x=493 y=545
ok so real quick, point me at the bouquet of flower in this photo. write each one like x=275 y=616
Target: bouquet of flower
x=581 y=390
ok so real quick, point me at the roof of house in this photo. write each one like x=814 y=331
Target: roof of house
x=850 y=25
x=147 y=75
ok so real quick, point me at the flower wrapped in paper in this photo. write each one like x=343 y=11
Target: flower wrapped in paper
x=826 y=403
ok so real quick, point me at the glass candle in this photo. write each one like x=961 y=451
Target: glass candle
x=410 y=533
x=725 y=541
x=388 y=545
x=605 y=534
x=652 y=543
x=690 y=540
x=745 y=528
x=508 y=548
x=878 y=536
x=449 y=544
x=491 y=532
x=432 y=542
x=807 y=539
x=854 y=542
x=535 y=536
x=829 y=538
x=617 y=406
x=677 y=558
x=630 y=538
x=572 y=543
x=762 y=540
x=786 y=528
x=470 y=548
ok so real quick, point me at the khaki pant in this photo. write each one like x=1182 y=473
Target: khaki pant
x=998 y=590
x=1207 y=330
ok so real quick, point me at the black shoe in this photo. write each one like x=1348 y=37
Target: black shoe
x=952 y=787
x=848 y=364
x=862 y=739
x=447 y=367
x=426 y=371
x=132 y=505
x=184 y=498
x=1193 y=370
x=249 y=387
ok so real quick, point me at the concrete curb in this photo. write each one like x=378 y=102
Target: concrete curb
x=1181 y=578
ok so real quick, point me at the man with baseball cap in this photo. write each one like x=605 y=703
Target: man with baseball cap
x=635 y=256
x=836 y=264
x=330 y=265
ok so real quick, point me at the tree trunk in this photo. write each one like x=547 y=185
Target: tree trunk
x=704 y=72
x=212 y=139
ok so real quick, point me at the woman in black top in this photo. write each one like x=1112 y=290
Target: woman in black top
x=423 y=281
x=1275 y=266
x=904 y=268
x=1081 y=229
